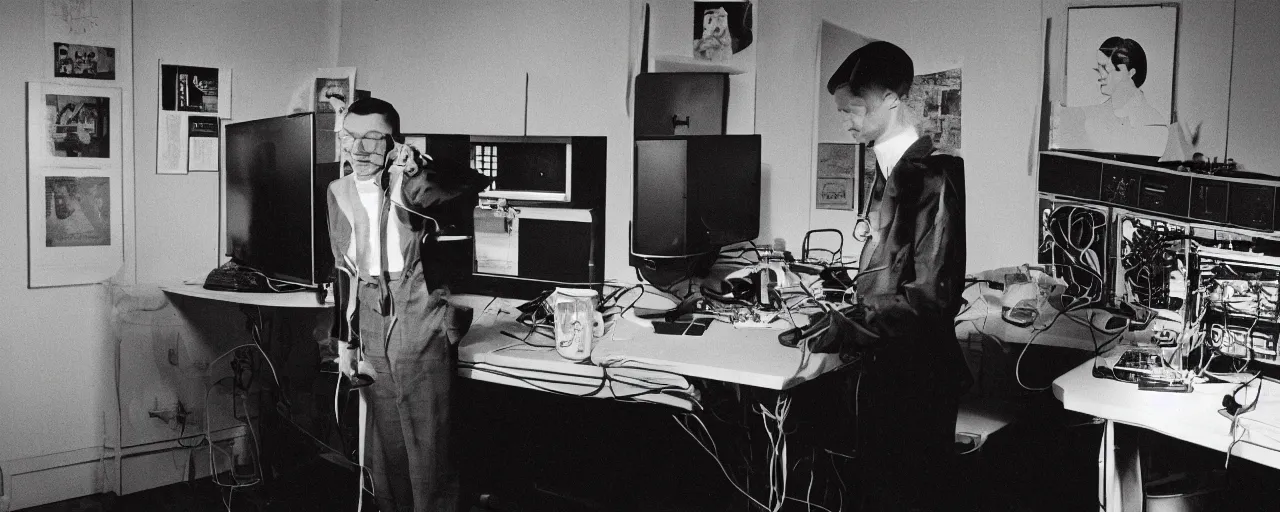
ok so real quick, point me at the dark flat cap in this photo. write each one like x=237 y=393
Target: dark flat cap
x=878 y=63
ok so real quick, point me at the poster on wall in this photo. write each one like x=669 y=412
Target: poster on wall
x=84 y=61
x=935 y=101
x=721 y=30
x=73 y=126
x=203 y=143
x=188 y=97
x=334 y=89
x=1119 y=76
x=74 y=221
x=194 y=89
x=75 y=226
x=839 y=168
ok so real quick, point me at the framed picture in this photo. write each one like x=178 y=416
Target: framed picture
x=335 y=87
x=84 y=61
x=73 y=126
x=1119 y=80
x=839 y=169
x=74 y=225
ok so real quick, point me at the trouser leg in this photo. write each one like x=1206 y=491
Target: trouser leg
x=423 y=362
x=386 y=457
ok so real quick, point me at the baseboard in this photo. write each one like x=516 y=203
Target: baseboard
x=50 y=478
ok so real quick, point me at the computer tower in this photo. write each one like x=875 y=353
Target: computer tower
x=681 y=104
x=693 y=195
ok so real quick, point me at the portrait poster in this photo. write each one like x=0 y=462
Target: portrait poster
x=83 y=61
x=73 y=126
x=1119 y=80
x=75 y=226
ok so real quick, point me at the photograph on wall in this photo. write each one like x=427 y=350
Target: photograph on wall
x=329 y=90
x=203 y=143
x=334 y=89
x=839 y=168
x=77 y=211
x=189 y=89
x=75 y=226
x=1119 y=80
x=84 y=61
x=935 y=100
x=77 y=126
x=73 y=126
x=721 y=29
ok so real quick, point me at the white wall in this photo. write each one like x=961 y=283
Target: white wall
x=452 y=66
x=57 y=404
x=1001 y=90
x=271 y=48
x=1255 y=99
x=56 y=396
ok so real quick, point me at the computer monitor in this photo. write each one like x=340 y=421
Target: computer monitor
x=276 y=199
x=693 y=195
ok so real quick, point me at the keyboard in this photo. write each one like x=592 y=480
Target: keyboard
x=229 y=278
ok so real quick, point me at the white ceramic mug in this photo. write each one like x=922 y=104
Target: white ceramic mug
x=577 y=322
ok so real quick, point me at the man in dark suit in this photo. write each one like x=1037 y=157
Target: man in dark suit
x=909 y=284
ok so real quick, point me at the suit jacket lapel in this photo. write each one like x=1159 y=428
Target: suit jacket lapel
x=888 y=207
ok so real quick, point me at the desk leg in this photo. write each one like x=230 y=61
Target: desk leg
x=1109 y=495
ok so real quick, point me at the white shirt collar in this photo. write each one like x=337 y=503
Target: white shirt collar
x=889 y=151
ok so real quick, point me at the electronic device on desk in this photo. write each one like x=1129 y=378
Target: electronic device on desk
x=692 y=196
x=540 y=225
x=235 y=278
x=276 y=201
x=1238 y=306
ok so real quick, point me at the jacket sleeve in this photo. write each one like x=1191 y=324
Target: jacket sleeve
x=931 y=296
x=429 y=182
x=339 y=235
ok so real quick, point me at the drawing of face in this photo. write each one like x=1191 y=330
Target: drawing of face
x=715 y=22
x=64 y=203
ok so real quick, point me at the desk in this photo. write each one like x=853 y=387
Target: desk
x=277 y=300
x=630 y=353
x=750 y=357
x=1191 y=417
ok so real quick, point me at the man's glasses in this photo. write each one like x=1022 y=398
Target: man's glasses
x=369 y=143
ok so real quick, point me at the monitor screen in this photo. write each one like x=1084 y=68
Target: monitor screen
x=525 y=168
x=270 y=196
x=695 y=194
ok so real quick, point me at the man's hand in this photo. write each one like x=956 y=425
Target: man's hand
x=348 y=356
x=404 y=160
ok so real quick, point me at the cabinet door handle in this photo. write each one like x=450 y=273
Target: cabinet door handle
x=676 y=121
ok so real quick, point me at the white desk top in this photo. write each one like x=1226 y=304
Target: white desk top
x=743 y=356
x=305 y=299
x=1191 y=417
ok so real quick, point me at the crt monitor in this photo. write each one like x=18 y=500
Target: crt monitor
x=275 y=203
x=693 y=195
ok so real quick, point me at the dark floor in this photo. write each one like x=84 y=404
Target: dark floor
x=1045 y=461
